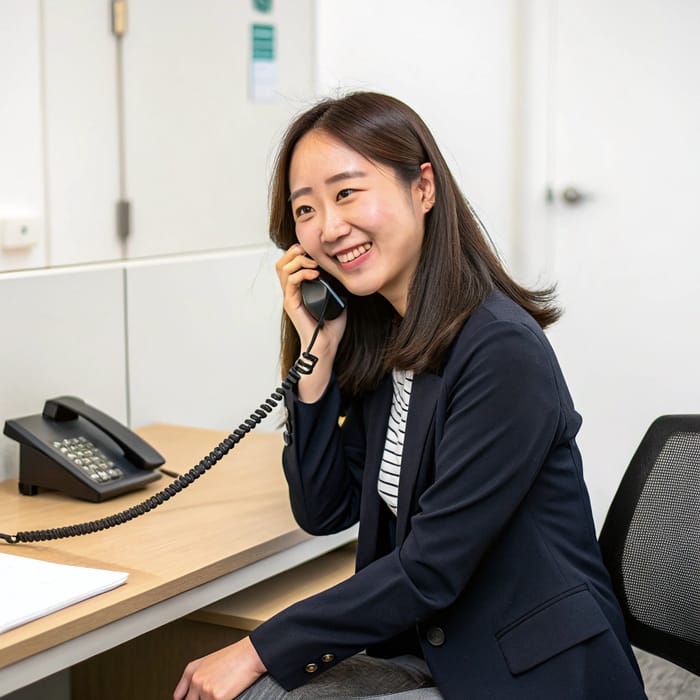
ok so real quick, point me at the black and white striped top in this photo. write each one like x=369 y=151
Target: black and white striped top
x=390 y=470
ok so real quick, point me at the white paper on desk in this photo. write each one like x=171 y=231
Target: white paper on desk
x=31 y=588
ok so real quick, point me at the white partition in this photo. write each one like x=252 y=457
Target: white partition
x=198 y=149
x=21 y=168
x=62 y=333
x=203 y=338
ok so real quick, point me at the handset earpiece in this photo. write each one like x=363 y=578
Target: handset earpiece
x=321 y=299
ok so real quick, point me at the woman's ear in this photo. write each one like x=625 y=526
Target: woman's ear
x=426 y=186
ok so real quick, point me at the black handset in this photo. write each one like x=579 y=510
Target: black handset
x=75 y=448
x=321 y=298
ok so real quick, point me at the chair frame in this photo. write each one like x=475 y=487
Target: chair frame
x=613 y=535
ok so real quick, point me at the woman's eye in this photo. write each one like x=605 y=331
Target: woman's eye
x=303 y=210
x=344 y=193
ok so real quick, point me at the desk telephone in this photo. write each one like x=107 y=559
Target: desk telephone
x=75 y=448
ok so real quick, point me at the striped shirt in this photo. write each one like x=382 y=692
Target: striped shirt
x=390 y=469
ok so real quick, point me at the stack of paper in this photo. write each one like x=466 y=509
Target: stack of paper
x=30 y=588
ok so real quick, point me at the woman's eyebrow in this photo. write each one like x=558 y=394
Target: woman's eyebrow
x=345 y=175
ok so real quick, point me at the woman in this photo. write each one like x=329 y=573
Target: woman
x=478 y=570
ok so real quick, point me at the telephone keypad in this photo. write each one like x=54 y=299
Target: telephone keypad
x=89 y=458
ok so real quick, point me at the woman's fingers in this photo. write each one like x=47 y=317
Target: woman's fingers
x=293 y=268
x=293 y=260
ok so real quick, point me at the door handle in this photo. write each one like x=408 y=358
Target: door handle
x=572 y=195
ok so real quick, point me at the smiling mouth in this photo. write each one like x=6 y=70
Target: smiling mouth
x=349 y=255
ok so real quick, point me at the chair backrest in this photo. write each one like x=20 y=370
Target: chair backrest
x=651 y=542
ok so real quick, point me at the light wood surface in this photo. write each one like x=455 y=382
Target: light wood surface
x=236 y=514
x=249 y=608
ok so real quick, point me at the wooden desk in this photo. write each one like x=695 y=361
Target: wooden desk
x=229 y=530
x=250 y=608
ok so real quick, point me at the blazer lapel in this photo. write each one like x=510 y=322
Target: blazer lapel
x=376 y=419
x=421 y=414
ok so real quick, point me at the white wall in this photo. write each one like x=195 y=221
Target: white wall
x=455 y=64
x=610 y=113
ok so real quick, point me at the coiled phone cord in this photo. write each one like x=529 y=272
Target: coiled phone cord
x=304 y=365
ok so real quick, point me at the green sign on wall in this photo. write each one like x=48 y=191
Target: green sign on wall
x=262 y=5
x=263 y=42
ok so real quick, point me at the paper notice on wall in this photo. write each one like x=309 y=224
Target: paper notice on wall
x=264 y=71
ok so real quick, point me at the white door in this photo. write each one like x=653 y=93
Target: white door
x=619 y=127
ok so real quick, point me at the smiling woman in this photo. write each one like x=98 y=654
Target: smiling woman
x=478 y=572
x=373 y=136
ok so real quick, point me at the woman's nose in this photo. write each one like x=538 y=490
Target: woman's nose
x=334 y=227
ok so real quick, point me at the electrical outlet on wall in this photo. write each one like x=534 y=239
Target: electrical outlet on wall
x=19 y=233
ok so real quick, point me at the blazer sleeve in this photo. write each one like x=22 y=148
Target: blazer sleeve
x=501 y=417
x=323 y=462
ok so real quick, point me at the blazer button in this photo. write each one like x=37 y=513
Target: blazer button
x=327 y=658
x=287 y=438
x=311 y=668
x=435 y=636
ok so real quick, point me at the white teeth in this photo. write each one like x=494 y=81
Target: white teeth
x=354 y=253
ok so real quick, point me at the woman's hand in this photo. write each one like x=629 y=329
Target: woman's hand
x=292 y=268
x=222 y=675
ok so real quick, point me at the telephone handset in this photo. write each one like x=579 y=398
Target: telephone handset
x=321 y=297
x=75 y=448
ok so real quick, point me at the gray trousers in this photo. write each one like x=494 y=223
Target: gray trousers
x=360 y=676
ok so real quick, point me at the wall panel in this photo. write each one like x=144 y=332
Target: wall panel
x=21 y=166
x=82 y=131
x=203 y=338
x=197 y=148
x=63 y=333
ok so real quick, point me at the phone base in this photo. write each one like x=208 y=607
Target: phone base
x=27 y=489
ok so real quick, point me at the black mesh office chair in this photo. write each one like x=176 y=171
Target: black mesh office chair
x=651 y=542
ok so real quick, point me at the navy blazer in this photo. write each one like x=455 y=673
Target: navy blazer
x=492 y=565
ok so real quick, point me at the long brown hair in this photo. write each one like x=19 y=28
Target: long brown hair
x=458 y=267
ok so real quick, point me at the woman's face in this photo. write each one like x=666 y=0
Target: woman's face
x=358 y=220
